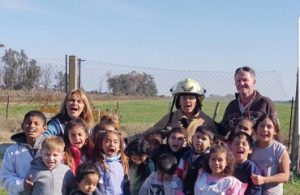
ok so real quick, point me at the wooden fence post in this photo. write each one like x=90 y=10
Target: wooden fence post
x=73 y=73
x=7 y=105
x=216 y=110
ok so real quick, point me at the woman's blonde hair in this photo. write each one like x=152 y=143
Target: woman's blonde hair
x=86 y=114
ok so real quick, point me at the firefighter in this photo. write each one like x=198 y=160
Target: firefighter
x=187 y=99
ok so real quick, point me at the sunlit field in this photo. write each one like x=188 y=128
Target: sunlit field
x=136 y=116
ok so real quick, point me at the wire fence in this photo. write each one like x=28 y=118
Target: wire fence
x=279 y=85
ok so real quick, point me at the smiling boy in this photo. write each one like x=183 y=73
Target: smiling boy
x=241 y=148
x=17 y=157
x=48 y=173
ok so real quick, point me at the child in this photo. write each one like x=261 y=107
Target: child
x=270 y=156
x=195 y=157
x=241 y=147
x=78 y=146
x=201 y=142
x=17 y=157
x=140 y=164
x=87 y=179
x=164 y=180
x=215 y=177
x=107 y=122
x=245 y=125
x=48 y=174
x=112 y=163
x=176 y=141
x=155 y=140
x=75 y=105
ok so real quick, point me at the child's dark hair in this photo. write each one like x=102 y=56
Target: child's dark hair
x=229 y=159
x=207 y=131
x=139 y=147
x=87 y=148
x=77 y=122
x=243 y=134
x=85 y=169
x=35 y=113
x=275 y=122
x=167 y=163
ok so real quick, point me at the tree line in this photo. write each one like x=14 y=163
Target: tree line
x=21 y=73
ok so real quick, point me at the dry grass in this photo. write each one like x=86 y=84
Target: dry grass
x=8 y=127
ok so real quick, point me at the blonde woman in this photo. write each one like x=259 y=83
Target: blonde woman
x=75 y=105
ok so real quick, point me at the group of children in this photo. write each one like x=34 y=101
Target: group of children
x=71 y=157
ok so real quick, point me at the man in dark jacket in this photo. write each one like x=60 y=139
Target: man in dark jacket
x=249 y=103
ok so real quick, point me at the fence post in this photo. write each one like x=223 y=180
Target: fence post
x=295 y=137
x=73 y=72
x=290 y=127
x=216 y=110
x=7 y=105
x=66 y=73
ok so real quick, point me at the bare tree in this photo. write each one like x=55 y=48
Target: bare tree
x=46 y=78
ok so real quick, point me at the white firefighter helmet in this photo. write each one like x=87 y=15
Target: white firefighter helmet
x=188 y=86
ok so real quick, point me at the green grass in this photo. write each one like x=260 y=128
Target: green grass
x=292 y=187
x=137 y=116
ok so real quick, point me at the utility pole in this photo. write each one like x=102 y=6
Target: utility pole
x=79 y=72
x=66 y=73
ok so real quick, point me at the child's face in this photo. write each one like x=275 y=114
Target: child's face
x=138 y=159
x=163 y=176
x=74 y=106
x=111 y=144
x=89 y=183
x=176 y=141
x=52 y=158
x=77 y=136
x=265 y=132
x=217 y=163
x=241 y=149
x=201 y=142
x=33 y=127
x=245 y=126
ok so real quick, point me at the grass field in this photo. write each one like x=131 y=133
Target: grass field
x=137 y=116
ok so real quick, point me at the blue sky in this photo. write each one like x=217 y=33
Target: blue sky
x=216 y=35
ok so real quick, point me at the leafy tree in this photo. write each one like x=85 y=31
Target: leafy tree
x=32 y=73
x=10 y=68
x=132 y=83
x=19 y=72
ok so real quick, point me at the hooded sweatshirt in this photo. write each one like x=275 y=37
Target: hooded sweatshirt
x=16 y=163
x=57 y=181
x=153 y=186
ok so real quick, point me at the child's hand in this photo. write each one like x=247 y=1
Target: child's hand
x=28 y=183
x=257 y=179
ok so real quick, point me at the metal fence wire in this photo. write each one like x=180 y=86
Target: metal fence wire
x=279 y=85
